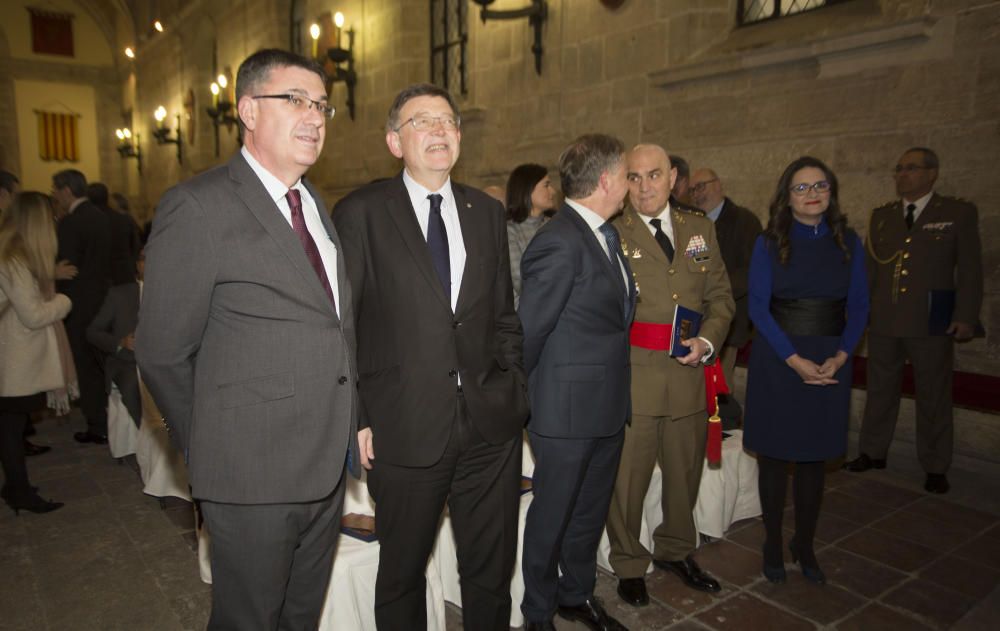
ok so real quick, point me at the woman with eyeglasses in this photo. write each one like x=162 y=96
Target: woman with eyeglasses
x=808 y=299
x=529 y=196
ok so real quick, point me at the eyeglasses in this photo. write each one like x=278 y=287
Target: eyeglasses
x=427 y=123
x=701 y=186
x=909 y=168
x=818 y=187
x=302 y=104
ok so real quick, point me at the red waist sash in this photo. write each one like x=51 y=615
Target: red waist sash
x=657 y=337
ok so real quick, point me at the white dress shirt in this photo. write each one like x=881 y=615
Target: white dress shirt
x=277 y=190
x=595 y=221
x=920 y=205
x=449 y=214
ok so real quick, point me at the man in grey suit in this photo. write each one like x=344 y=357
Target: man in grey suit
x=246 y=341
x=577 y=302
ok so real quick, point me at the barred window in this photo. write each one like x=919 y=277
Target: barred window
x=754 y=11
x=449 y=37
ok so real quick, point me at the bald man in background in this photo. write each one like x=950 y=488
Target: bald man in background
x=737 y=229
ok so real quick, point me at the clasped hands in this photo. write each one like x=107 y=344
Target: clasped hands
x=817 y=374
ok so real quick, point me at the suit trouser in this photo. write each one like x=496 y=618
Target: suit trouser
x=271 y=563
x=679 y=447
x=932 y=358
x=572 y=486
x=89 y=373
x=481 y=484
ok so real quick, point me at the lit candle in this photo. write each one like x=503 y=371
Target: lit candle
x=215 y=94
x=314 y=33
x=160 y=114
x=338 y=19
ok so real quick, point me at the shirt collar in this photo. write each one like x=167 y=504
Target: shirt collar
x=919 y=203
x=663 y=216
x=594 y=221
x=76 y=202
x=715 y=212
x=275 y=187
x=418 y=191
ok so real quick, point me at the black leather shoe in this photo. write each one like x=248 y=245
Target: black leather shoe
x=591 y=613
x=863 y=463
x=936 y=483
x=633 y=591
x=31 y=449
x=539 y=626
x=692 y=575
x=87 y=437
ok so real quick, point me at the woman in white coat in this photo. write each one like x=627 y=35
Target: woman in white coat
x=31 y=365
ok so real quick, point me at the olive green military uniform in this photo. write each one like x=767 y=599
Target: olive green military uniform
x=669 y=420
x=941 y=251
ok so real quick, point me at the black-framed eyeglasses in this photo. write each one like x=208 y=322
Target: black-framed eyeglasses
x=302 y=103
x=909 y=168
x=700 y=186
x=427 y=123
x=818 y=187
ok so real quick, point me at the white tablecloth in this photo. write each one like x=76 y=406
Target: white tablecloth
x=161 y=465
x=122 y=432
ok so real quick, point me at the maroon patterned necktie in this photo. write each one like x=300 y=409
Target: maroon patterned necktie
x=312 y=252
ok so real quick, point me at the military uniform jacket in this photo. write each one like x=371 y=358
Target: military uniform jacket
x=697 y=280
x=941 y=251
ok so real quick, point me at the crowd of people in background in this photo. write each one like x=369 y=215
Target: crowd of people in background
x=422 y=329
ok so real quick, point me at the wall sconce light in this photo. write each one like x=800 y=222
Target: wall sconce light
x=537 y=13
x=162 y=134
x=339 y=56
x=222 y=106
x=127 y=148
x=129 y=52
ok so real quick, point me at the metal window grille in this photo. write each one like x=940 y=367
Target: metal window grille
x=755 y=11
x=449 y=38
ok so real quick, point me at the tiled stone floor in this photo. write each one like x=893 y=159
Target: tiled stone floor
x=895 y=557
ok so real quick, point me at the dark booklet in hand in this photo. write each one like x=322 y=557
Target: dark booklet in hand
x=686 y=324
x=940 y=307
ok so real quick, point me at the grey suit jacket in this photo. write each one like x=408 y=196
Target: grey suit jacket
x=576 y=332
x=240 y=346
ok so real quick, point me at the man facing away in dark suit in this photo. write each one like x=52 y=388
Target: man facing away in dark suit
x=737 y=229
x=84 y=235
x=124 y=236
x=439 y=356
x=246 y=342
x=112 y=331
x=920 y=247
x=577 y=302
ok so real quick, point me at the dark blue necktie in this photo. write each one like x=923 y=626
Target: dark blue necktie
x=437 y=242
x=614 y=253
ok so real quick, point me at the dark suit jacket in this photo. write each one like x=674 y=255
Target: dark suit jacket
x=124 y=246
x=85 y=241
x=411 y=345
x=941 y=251
x=576 y=332
x=737 y=229
x=118 y=317
x=240 y=346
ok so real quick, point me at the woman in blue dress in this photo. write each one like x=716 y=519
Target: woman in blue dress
x=808 y=299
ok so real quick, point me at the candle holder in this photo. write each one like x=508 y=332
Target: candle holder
x=222 y=107
x=162 y=133
x=536 y=13
x=128 y=146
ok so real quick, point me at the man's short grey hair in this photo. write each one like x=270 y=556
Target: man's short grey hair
x=256 y=69
x=930 y=158
x=585 y=159
x=411 y=92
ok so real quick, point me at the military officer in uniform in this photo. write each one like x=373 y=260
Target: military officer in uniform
x=676 y=260
x=922 y=247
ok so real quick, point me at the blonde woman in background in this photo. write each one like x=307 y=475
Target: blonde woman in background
x=35 y=364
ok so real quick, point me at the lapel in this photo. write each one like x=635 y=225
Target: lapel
x=255 y=197
x=641 y=238
x=590 y=242
x=681 y=235
x=930 y=213
x=467 y=219
x=344 y=300
x=404 y=216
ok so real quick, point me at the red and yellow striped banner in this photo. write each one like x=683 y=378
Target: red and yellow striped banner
x=58 y=137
